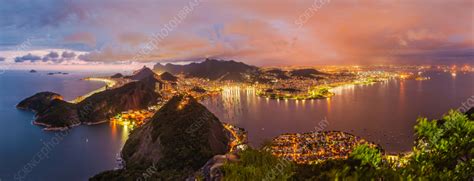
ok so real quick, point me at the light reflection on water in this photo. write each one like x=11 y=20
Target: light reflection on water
x=125 y=133
x=384 y=112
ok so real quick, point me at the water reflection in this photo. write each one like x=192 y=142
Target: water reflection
x=124 y=134
x=113 y=129
x=384 y=112
x=328 y=106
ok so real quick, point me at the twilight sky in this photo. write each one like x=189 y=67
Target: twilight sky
x=263 y=32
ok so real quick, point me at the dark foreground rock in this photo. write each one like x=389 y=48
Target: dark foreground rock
x=180 y=138
x=470 y=113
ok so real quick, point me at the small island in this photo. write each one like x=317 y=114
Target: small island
x=57 y=73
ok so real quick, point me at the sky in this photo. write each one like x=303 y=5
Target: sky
x=264 y=32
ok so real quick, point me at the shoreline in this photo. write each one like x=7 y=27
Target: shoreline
x=94 y=123
x=326 y=95
x=109 y=83
x=49 y=127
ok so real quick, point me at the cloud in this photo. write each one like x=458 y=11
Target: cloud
x=265 y=32
x=2 y=59
x=68 y=55
x=132 y=38
x=55 y=58
x=51 y=56
x=86 y=38
x=28 y=57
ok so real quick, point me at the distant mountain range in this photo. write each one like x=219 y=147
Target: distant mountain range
x=222 y=70
x=212 y=69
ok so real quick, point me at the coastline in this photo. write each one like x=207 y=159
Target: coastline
x=109 y=83
x=95 y=123
x=313 y=94
x=49 y=127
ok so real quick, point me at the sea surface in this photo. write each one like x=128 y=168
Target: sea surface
x=73 y=155
x=383 y=112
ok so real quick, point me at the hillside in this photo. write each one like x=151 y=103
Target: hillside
x=57 y=114
x=103 y=105
x=39 y=102
x=306 y=73
x=212 y=69
x=166 y=76
x=180 y=138
x=141 y=74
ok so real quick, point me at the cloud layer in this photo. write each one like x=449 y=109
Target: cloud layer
x=277 y=32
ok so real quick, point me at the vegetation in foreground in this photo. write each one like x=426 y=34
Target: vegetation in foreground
x=443 y=150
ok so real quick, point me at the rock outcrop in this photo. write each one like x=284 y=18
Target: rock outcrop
x=103 y=105
x=143 y=73
x=180 y=138
x=39 y=102
x=55 y=113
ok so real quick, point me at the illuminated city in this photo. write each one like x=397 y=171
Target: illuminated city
x=194 y=90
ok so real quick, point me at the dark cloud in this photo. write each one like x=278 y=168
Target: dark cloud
x=28 y=57
x=2 y=59
x=68 y=55
x=37 y=14
x=51 y=56
x=85 y=57
x=91 y=56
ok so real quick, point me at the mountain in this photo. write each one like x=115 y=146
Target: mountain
x=56 y=114
x=59 y=116
x=39 y=102
x=212 y=69
x=278 y=73
x=117 y=75
x=180 y=138
x=103 y=105
x=141 y=74
x=306 y=73
x=166 y=76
